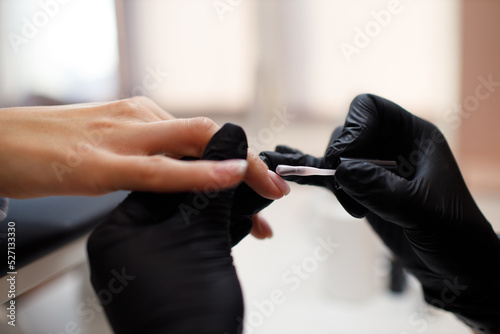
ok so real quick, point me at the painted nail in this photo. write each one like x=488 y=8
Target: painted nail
x=234 y=167
x=280 y=183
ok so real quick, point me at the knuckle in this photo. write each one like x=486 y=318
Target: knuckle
x=201 y=129
x=141 y=100
x=135 y=107
x=125 y=107
x=202 y=124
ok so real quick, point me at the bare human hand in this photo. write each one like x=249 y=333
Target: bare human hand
x=132 y=144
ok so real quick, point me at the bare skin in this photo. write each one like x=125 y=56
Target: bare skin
x=133 y=144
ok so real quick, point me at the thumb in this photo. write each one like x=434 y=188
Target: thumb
x=380 y=191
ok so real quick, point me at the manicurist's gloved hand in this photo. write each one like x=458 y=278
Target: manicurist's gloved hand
x=161 y=263
x=425 y=215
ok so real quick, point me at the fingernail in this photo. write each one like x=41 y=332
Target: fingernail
x=233 y=167
x=279 y=182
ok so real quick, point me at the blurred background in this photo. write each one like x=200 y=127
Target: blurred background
x=259 y=63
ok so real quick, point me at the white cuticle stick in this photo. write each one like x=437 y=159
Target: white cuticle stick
x=285 y=170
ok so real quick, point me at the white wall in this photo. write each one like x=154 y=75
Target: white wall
x=63 y=49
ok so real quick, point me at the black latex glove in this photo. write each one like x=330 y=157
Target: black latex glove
x=425 y=215
x=285 y=155
x=161 y=263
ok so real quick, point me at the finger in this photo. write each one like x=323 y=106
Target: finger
x=162 y=174
x=374 y=128
x=261 y=228
x=286 y=149
x=350 y=205
x=273 y=159
x=359 y=127
x=181 y=137
x=189 y=137
x=265 y=182
x=194 y=134
x=380 y=191
x=229 y=142
x=367 y=124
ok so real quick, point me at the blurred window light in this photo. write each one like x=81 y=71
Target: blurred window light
x=213 y=56
x=407 y=51
x=61 y=49
x=191 y=55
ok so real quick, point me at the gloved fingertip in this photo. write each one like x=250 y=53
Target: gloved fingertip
x=286 y=149
x=229 y=142
x=265 y=157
